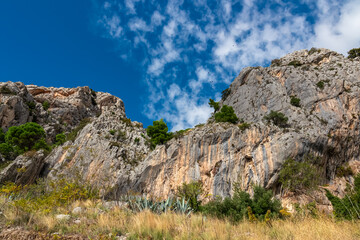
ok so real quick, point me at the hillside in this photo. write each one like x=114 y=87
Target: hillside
x=111 y=152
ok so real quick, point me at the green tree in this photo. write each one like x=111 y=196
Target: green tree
x=191 y=193
x=238 y=207
x=6 y=151
x=60 y=139
x=158 y=133
x=295 y=101
x=347 y=207
x=46 y=105
x=226 y=114
x=25 y=136
x=277 y=118
x=214 y=105
x=353 y=53
x=298 y=175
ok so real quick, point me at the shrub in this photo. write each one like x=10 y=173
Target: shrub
x=320 y=85
x=277 y=118
x=45 y=196
x=46 y=105
x=243 y=126
x=225 y=94
x=112 y=132
x=226 y=114
x=347 y=207
x=180 y=133
x=31 y=105
x=313 y=50
x=353 y=53
x=191 y=192
x=298 y=175
x=214 y=105
x=137 y=140
x=73 y=134
x=6 y=90
x=60 y=139
x=158 y=133
x=241 y=205
x=295 y=101
x=276 y=62
x=344 y=171
x=7 y=151
x=25 y=136
x=295 y=63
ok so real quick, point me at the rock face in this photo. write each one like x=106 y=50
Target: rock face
x=25 y=169
x=326 y=125
x=106 y=149
x=111 y=152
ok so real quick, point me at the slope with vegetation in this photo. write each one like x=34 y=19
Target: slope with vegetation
x=290 y=129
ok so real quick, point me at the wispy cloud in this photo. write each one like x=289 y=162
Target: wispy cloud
x=194 y=49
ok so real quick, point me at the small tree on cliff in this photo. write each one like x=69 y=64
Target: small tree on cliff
x=26 y=137
x=226 y=114
x=158 y=133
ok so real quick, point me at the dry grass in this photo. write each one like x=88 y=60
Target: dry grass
x=99 y=223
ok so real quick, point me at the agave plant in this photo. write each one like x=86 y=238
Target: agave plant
x=182 y=206
x=165 y=205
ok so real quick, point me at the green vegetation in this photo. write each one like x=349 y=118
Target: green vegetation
x=180 y=133
x=295 y=63
x=7 y=151
x=320 y=85
x=31 y=105
x=276 y=62
x=343 y=171
x=347 y=207
x=26 y=137
x=225 y=94
x=46 y=105
x=46 y=196
x=295 y=101
x=277 y=118
x=214 y=105
x=2 y=136
x=60 y=139
x=243 y=126
x=353 y=53
x=313 y=50
x=158 y=133
x=226 y=114
x=191 y=192
x=6 y=90
x=241 y=205
x=73 y=134
x=297 y=176
x=112 y=132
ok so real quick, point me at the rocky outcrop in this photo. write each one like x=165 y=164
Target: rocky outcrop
x=14 y=104
x=108 y=148
x=326 y=125
x=25 y=169
x=112 y=152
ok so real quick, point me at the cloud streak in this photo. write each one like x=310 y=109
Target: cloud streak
x=191 y=51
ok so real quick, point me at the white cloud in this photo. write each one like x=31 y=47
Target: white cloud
x=338 y=31
x=186 y=53
x=112 y=24
x=130 y=5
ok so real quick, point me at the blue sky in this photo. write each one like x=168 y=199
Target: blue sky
x=165 y=59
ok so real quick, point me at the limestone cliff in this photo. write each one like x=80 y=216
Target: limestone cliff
x=112 y=152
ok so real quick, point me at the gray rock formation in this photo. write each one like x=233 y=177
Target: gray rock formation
x=111 y=152
x=25 y=169
x=326 y=126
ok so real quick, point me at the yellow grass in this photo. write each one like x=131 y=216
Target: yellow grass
x=97 y=222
